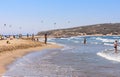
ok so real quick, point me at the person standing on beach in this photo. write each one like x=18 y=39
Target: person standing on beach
x=33 y=38
x=84 y=40
x=45 y=38
x=115 y=45
x=27 y=35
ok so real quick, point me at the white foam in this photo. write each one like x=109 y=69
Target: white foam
x=110 y=55
x=50 y=39
x=108 y=44
x=105 y=40
x=77 y=37
x=116 y=37
x=76 y=41
x=66 y=48
x=95 y=43
x=63 y=38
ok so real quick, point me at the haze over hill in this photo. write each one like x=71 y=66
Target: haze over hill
x=97 y=29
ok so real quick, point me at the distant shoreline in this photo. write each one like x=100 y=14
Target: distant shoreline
x=101 y=35
x=7 y=57
x=81 y=35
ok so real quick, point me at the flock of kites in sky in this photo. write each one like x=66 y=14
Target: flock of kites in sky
x=5 y=25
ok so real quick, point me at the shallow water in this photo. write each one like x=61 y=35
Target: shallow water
x=74 y=60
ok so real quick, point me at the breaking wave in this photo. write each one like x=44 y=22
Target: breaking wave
x=105 y=40
x=110 y=55
x=108 y=44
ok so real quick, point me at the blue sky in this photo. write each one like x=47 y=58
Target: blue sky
x=31 y=16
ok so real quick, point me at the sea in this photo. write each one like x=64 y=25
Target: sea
x=96 y=58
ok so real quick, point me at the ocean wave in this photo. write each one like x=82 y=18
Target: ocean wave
x=105 y=40
x=110 y=55
x=95 y=43
x=116 y=37
x=50 y=39
x=76 y=41
x=66 y=48
x=63 y=38
x=108 y=44
x=67 y=39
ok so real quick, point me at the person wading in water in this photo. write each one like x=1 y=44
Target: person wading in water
x=115 y=46
x=84 y=40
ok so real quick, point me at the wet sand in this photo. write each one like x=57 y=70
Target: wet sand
x=18 y=48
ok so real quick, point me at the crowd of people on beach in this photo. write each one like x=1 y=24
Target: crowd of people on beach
x=20 y=36
x=45 y=39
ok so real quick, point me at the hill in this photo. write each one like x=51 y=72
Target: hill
x=97 y=29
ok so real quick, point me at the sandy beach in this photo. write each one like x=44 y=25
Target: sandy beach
x=18 y=48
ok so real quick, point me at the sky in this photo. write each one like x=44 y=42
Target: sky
x=32 y=16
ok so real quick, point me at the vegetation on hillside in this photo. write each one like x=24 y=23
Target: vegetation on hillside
x=98 y=29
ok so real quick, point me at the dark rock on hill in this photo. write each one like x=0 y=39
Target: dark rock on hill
x=98 y=29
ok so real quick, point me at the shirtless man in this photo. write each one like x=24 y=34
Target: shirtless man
x=45 y=38
x=115 y=45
